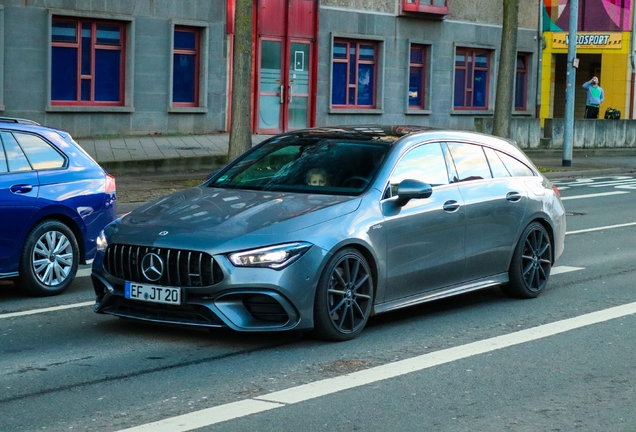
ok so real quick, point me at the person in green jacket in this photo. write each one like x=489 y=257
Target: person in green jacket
x=595 y=96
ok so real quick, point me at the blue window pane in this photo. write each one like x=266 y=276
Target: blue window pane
x=64 y=74
x=86 y=89
x=107 y=77
x=520 y=87
x=352 y=65
x=86 y=49
x=366 y=80
x=479 y=89
x=340 y=50
x=460 y=59
x=352 y=96
x=184 y=82
x=481 y=60
x=415 y=87
x=367 y=52
x=184 y=40
x=339 y=84
x=108 y=34
x=417 y=55
x=460 y=85
x=64 y=32
x=15 y=156
x=521 y=62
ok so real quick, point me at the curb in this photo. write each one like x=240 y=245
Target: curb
x=165 y=166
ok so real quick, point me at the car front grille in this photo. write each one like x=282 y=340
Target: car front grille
x=197 y=315
x=181 y=268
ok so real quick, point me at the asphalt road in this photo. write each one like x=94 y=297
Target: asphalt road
x=479 y=362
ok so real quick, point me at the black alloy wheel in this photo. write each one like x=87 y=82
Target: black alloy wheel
x=344 y=297
x=531 y=263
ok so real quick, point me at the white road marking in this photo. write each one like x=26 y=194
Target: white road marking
x=592 y=195
x=564 y=269
x=83 y=272
x=329 y=386
x=49 y=309
x=601 y=228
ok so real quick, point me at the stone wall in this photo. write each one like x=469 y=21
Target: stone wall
x=592 y=133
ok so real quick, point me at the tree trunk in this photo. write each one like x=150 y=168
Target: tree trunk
x=241 y=118
x=507 y=69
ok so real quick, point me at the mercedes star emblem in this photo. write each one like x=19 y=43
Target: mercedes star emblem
x=152 y=267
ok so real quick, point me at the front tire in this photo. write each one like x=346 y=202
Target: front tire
x=531 y=263
x=49 y=259
x=344 y=297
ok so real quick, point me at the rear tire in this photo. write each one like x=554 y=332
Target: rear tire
x=344 y=297
x=49 y=259
x=531 y=263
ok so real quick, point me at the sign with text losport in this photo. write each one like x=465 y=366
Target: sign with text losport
x=590 y=40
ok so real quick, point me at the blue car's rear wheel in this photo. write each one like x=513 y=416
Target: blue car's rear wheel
x=344 y=297
x=49 y=259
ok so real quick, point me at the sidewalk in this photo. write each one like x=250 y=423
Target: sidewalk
x=132 y=158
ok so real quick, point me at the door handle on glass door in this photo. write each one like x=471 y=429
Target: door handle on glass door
x=282 y=94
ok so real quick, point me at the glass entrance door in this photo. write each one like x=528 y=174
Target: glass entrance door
x=283 y=85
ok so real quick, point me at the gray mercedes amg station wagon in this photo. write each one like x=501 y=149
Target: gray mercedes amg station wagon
x=320 y=229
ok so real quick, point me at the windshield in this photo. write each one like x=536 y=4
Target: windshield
x=310 y=165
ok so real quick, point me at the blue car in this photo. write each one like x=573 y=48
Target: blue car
x=54 y=201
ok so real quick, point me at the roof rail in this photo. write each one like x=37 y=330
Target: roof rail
x=18 y=120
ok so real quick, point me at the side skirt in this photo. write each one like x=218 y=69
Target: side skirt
x=428 y=296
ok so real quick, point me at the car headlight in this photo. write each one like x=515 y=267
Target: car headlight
x=275 y=257
x=102 y=242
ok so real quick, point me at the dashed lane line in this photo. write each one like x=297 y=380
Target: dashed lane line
x=595 y=195
x=554 y=271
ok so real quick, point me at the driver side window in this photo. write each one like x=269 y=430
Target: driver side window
x=425 y=163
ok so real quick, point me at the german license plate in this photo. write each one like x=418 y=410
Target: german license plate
x=154 y=294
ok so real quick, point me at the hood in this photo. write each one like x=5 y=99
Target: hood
x=229 y=213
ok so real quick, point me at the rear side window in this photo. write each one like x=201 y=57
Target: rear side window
x=470 y=161
x=40 y=153
x=497 y=167
x=515 y=167
x=15 y=157
x=3 y=160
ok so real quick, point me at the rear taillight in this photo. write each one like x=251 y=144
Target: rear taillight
x=111 y=187
x=556 y=190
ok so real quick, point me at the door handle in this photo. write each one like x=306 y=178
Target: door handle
x=282 y=94
x=290 y=89
x=21 y=188
x=451 y=206
x=513 y=196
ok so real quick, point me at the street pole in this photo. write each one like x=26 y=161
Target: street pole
x=570 y=85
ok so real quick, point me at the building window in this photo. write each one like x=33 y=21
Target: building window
x=185 y=66
x=417 y=77
x=354 y=70
x=471 y=79
x=521 y=82
x=439 y=7
x=87 y=62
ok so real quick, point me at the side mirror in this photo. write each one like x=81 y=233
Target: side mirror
x=412 y=189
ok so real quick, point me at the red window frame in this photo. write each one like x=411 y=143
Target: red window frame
x=421 y=66
x=94 y=46
x=522 y=70
x=470 y=56
x=358 y=61
x=197 y=68
x=425 y=6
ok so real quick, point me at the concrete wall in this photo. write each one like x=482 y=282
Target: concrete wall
x=525 y=131
x=147 y=107
x=592 y=133
x=491 y=12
